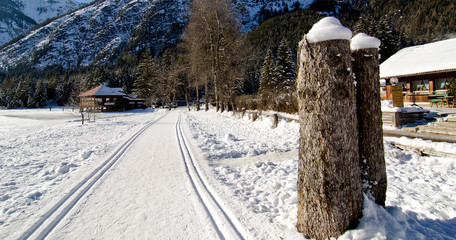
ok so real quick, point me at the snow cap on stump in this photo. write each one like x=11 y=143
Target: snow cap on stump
x=328 y=28
x=364 y=41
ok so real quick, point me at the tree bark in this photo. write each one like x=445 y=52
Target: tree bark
x=372 y=160
x=186 y=98
x=330 y=196
x=206 y=88
x=197 y=99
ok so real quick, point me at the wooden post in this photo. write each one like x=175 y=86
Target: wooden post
x=373 y=168
x=330 y=196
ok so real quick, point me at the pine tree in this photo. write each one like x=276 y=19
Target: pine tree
x=268 y=77
x=381 y=29
x=40 y=94
x=147 y=72
x=96 y=77
x=21 y=94
x=7 y=91
x=63 y=90
x=452 y=88
x=285 y=68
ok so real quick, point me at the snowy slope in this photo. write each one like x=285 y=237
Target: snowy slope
x=99 y=32
x=250 y=167
x=40 y=10
x=18 y=16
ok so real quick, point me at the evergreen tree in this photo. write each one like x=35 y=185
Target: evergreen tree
x=381 y=29
x=268 y=77
x=63 y=90
x=452 y=88
x=285 y=68
x=40 y=97
x=21 y=94
x=147 y=72
x=7 y=91
x=31 y=94
x=96 y=77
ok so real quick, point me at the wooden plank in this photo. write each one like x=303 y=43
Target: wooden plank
x=446 y=124
x=438 y=131
x=424 y=136
x=442 y=127
x=451 y=119
x=425 y=151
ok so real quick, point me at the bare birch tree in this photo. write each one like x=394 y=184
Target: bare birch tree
x=211 y=39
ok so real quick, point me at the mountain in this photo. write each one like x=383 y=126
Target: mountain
x=18 y=16
x=99 y=32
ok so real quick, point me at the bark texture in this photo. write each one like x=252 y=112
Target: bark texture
x=329 y=177
x=373 y=167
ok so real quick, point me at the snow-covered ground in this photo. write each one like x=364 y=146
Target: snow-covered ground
x=44 y=153
x=250 y=166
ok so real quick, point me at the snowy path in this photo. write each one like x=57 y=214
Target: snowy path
x=149 y=193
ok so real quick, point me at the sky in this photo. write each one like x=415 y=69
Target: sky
x=84 y=1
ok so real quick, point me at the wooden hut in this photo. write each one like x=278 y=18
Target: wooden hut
x=420 y=70
x=106 y=99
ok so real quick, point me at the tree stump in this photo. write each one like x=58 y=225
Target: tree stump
x=372 y=160
x=329 y=178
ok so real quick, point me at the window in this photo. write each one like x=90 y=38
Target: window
x=441 y=84
x=404 y=86
x=422 y=85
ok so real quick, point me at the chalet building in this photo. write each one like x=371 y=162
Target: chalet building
x=106 y=99
x=420 y=70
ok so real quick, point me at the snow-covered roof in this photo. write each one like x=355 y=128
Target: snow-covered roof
x=428 y=58
x=103 y=90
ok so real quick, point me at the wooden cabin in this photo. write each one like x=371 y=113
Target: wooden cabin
x=106 y=99
x=420 y=70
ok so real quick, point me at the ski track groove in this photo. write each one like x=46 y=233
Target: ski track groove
x=52 y=214
x=226 y=226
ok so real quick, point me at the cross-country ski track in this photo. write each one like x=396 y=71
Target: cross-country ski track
x=149 y=188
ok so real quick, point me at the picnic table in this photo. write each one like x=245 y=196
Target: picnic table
x=447 y=100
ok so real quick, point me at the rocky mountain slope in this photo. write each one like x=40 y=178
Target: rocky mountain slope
x=98 y=33
x=18 y=16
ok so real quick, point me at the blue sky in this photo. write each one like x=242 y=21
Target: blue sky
x=84 y=1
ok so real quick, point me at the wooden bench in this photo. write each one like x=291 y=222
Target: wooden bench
x=434 y=99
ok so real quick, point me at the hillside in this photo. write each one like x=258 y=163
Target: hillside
x=100 y=32
x=18 y=16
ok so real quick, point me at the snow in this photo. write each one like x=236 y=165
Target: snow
x=249 y=167
x=106 y=91
x=387 y=106
x=364 y=41
x=428 y=58
x=328 y=28
x=40 y=10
